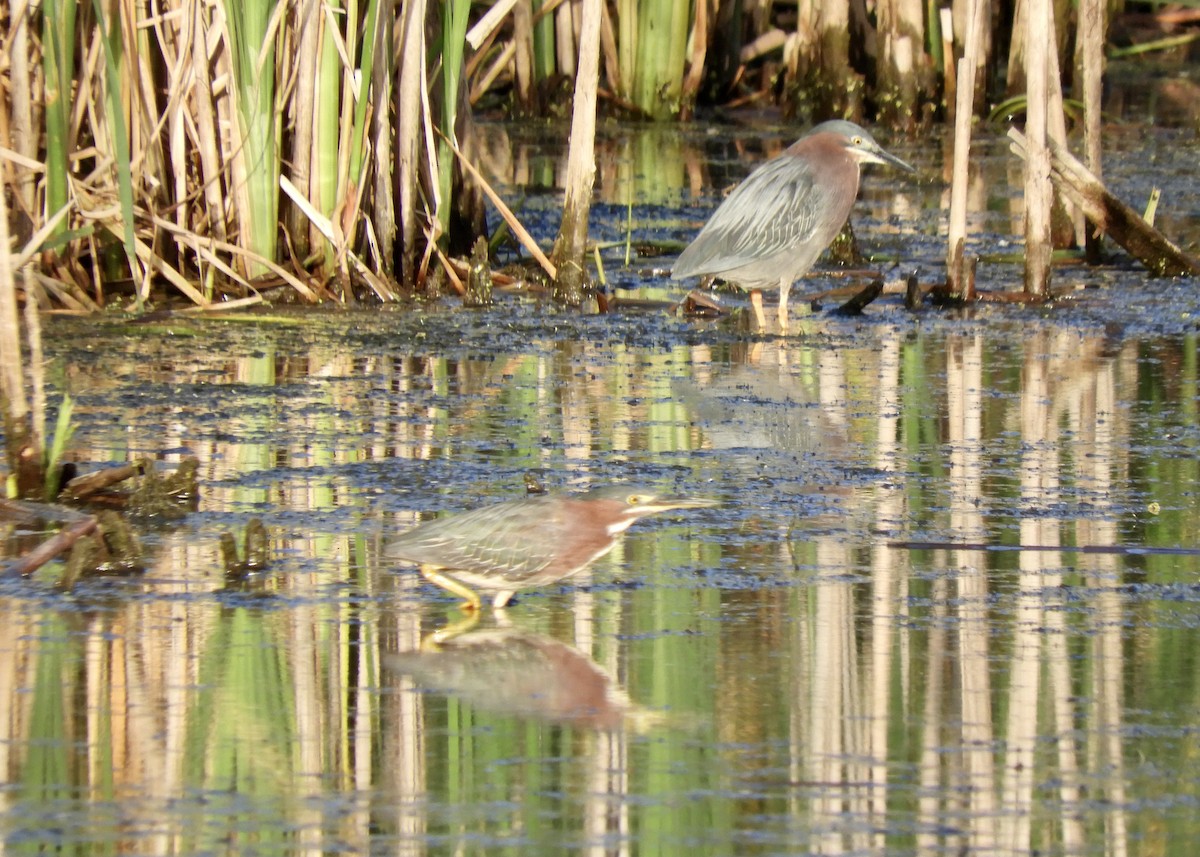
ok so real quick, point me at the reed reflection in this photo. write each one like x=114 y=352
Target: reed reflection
x=985 y=696
x=983 y=677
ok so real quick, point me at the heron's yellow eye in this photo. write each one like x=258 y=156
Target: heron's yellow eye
x=636 y=499
x=856 y=141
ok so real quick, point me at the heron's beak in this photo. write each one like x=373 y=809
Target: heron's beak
x=879 y=156
x=667 y=504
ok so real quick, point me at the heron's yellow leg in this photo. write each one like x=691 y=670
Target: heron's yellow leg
x=756 y=304
x=784 y=287
x=434 y=575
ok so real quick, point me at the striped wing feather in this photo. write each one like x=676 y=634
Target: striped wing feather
x=777 y=222
x=514 y=544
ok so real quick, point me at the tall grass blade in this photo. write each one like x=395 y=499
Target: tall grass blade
x=544 y=53
x=454 y=35
x=64 y=429
x=366 y=65
x=252 y=46
x=58 y=66
x=112 y=45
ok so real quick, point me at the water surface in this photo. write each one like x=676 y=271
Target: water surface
x=948 y=603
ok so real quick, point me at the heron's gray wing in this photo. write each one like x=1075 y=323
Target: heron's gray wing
x=780 y=206
x=519 y=537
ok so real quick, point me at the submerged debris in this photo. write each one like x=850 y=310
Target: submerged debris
x=855 y=305
x=479 y=276
x=533 y=483
x=103 y=543
x=113 y=548
x=255 y=556
x=167 y=497
x=37 y=516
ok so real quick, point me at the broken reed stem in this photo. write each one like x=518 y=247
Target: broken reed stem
x=1162 y=257
x=57 y=544
x=522 y=234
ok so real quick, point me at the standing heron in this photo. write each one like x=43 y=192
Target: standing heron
x=534 y=541
x=770 y=230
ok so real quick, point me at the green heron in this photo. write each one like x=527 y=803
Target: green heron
x=770 y=230
x=534 y=541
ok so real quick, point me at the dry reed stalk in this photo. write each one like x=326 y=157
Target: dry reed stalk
x=608 y=46
x=384 y=210
x=1091 y=59
x=962 y=25
x=958 y=264
x=1066 y=220
x=34 y=244
x=308 y=23
x=332 y=146
x=838 y=89
x=154 y=262
x=523 y=65
x=1039 y=197
x=763 y=45
x=451 y=274
x=70 y=299
x=564 y=39
x=695 y=71
x=228 y=125
x=173 y=42
x=23 y=453
x=200 y=88
x=12 y=382
x=47 y=550
x=21 y=136
x=144 y=118
x=570 y=247
x=346 y=149
x=337 y=236
x=949 y=78
x=498 y=66
x=488 y=25
x=214 y=246
x=409 y=112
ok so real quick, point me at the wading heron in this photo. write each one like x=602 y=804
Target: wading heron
x=771 y=229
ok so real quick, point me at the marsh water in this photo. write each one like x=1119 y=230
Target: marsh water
x=948 y=603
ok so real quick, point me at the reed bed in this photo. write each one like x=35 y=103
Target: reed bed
x=320 y=150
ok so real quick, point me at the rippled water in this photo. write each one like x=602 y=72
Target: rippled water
x=948 y=603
